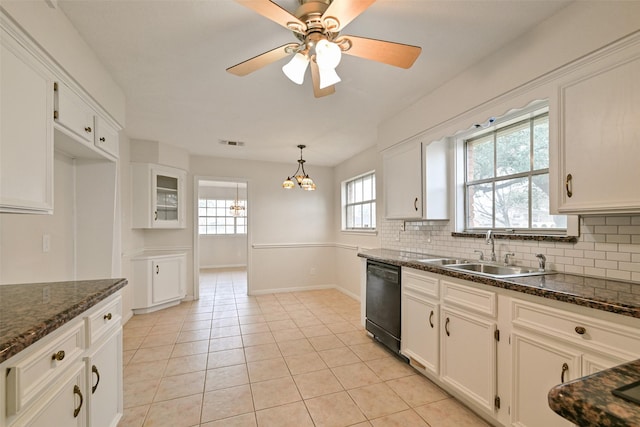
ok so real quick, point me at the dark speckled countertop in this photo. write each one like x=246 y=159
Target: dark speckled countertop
x=588 y=401
x=602 y=294
x=29 y=312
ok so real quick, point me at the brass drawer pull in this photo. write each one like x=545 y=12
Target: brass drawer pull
x=569 y=185
x=446 y=327
x=94 y=387
x=107 y=316
x=565 y=368
x=58 y=355
x=431 y=319
x=76 y=390
x=415 y=204
x=580 y=330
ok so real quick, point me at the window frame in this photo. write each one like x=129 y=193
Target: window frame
x=495 y=127
x=228 y=214
x=372 y=202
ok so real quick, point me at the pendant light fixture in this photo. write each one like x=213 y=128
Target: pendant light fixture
x=236 y=208
x=300 y=176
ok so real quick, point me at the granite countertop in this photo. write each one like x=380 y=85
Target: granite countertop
x=588 y=401
x=602 y=294
x=29 y=312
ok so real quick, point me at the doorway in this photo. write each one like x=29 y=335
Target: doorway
x=221 y=242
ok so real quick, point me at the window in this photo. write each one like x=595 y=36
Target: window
x=359 y=203
x=215 y=217
x=507 y=178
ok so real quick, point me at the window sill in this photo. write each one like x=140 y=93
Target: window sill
x=515 y=236
x=372 y=232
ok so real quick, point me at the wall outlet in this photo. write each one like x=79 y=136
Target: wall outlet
x=46 y=242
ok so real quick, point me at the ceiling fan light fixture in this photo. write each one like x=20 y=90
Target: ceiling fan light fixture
x=328 y=54
x=296 y=68
x=328 y=77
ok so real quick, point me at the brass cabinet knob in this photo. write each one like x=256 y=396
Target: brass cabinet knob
x=107 y=316
x=102 y=139
x=580 y=330
x=58 y=355
x=87 y=129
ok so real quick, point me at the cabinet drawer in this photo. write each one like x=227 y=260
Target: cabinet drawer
x=594 y=333
x=106 y=137
x=415 y=281
x=29 y=376
x=470 y=298
x=103 y=319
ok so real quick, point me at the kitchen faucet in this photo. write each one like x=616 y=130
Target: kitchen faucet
x=543 y=261
x=491 y=242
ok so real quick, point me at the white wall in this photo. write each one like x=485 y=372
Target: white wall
x=290 y=231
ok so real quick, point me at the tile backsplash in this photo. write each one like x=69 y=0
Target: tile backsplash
x=608 y=246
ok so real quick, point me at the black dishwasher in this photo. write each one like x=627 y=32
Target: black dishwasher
x=383 y=304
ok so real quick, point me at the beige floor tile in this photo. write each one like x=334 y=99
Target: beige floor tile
x=134 y=372
x=127 y=355
x=330 y=317
x=370 y=351
x=389 y=368
x=140 y=392
x=132 y=343
x=302 y=363
x=315 y=330
x=182 y=412
x=164 y=328
x=339 y=357
x=225 y=377
x=254 y=328
x=134 y=417
x=317 y=383
x=227 y=321
x=296 y=347
x=180 y=386
x=279 y=325
x=400 y=419
x=226 y=343
x=186 y=364
x=244 y=420
x=340 y=327
x=131 y=332
x=187 y=336
x=225 y=403
x=377 y=400
x=326 y=342
x=168 y=338
x=355 y=375
x=290 y=415
x=251 y=319
x=262 y=352
x=354 y=337
x=449 y=413
x=258 y=339
x=218 y=359
x=267 y=369
x=417 y=390
x=190 y=348
x=334 y=410
x=280 y=391
x=196 y=325
x=287 y=335
x=225 y=331
x=152 y=354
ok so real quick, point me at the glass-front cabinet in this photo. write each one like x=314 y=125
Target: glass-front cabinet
x=158 y=196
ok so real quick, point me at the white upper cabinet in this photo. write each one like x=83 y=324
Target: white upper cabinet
x=73 y=114
x=158 y=196
x=106 y=137
x=415 y=181
x=599 y=134
x=26 y=131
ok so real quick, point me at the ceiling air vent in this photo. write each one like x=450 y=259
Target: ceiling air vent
x=232 y=143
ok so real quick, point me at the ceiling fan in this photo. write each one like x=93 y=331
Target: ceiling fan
x=317 y=25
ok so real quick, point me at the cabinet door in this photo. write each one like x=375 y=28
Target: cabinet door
x=599 y=135
x=104 y=390
x=468 y=355
x=73 y=114
x=539 y=365
x=167 y=198
x=420 y=326
x=64 y=404
x=402 y=181
x=107 y=138
x=26 y=131
x=166 y=279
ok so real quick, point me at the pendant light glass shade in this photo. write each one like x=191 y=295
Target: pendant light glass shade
x=296 y=68
x=328 y=77
x=328 y=54
x=288 y=183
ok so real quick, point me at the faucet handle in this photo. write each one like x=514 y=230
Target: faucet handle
x=481 y=256
x=506 y=257
x=542 y=260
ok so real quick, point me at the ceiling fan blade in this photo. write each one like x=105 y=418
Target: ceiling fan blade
x=346 y=11
x=315 y=77
x=396 y=54
x=257 y=62
x=277 y=14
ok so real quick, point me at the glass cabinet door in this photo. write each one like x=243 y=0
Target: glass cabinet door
x=166 y=198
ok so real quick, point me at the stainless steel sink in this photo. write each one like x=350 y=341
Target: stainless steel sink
x=443 y=261
x=493 y=270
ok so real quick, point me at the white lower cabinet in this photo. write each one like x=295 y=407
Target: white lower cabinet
x=72 y=377
x=421 y=320
x=159 y=280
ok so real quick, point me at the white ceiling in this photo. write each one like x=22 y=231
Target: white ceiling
x=170 y=57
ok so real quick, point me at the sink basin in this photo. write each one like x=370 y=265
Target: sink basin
x=443 y=261
x=497 y=270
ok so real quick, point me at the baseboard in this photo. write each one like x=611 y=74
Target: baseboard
x=348 y=293
x=292 y=289
x=204 y=267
